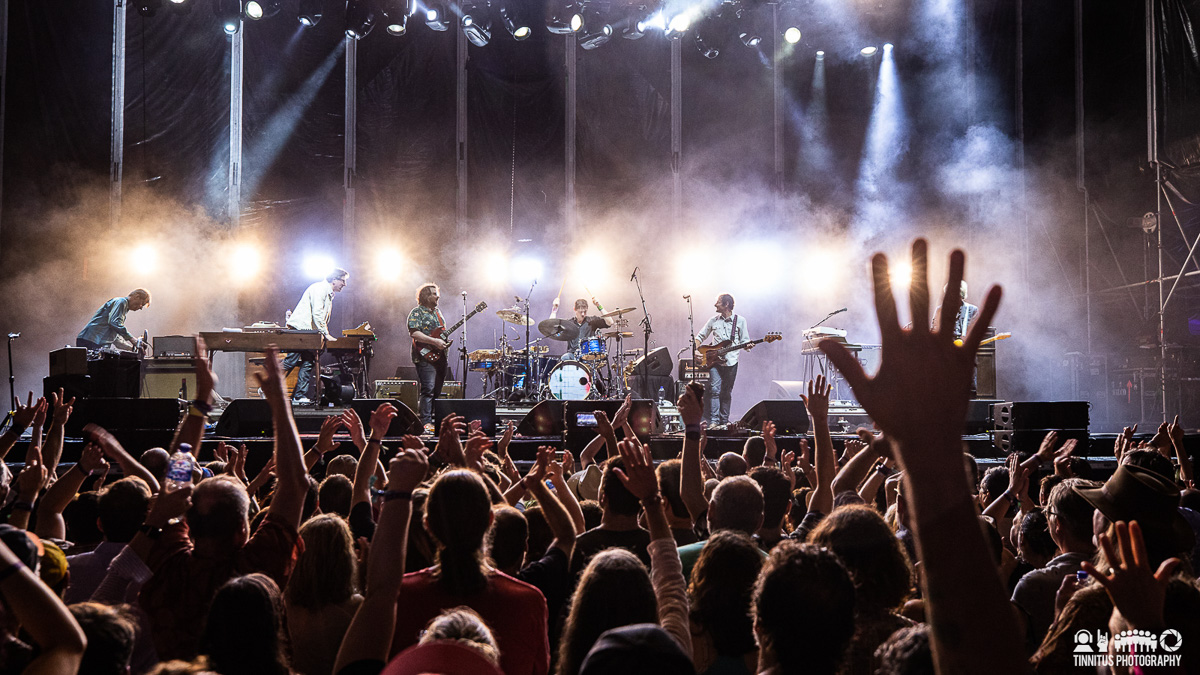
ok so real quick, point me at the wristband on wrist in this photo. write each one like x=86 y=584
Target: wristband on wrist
x=202 y=406
x=390 y=495
x=374 y=440
x=691 y=435
x=193 y=411
x=12 y=569
x=22 y=506
x=79 y=466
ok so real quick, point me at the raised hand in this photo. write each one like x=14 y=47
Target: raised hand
x=1046 y=449
x=329 y=427
x=406 y=470
x=1136 y=592
x=789 y=459
x=919 y=396
x=62 y=407
x=1161 y=439
x=221 y=452
x=505 y=439
x=817 y=400
x=852 y=447
x=622 y=415
x=270 y=379
x=638 y=475
x=92 y=459
x=568 y=463
x=603 y=426
x=410 y=442
x=474 y=425
x=1175 y=431
x=768 y=434
x=690 y=407
x=1124 y=440
x=31 y=480
x=354 y=425
x=1062 y=458
x=381 y=419
x=449 y=443
x=206 y=379
x=41 y=408
x=537 y=473
x=477 y=444
x=23 y=414
x=804 y=461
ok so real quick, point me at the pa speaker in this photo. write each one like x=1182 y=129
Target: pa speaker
x=657 y=362
x=545 y=419
x=1041 y=415
x=790 y=416
x=119 y=414
x=482 y=410
x=405 y=422
x=246 y=418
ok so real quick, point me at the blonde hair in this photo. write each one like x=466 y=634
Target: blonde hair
x=463 y=626
x=326 y=572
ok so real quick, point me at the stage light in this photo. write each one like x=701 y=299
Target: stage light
x=143 y=258
x=496 y=269
x=526 y=270
x=792 y=35
x=262 y=9
x=179 y=2
x=820 y=271
x=514 y=23
x=820 y=55
x=636 y=23
x=398 y=25
x=476 y=24
x=679 y=23
x=565 y=19
x=591 y=269
x=317 y=266
x=229 y=13
x=596 y=31
x=389 y=263
x=148 y=8
x=887 y=47
x=900 y=274
x=360 y=18
x=244 y=262
x=435 y=17
x=749 y=39
x=309 y=12
x=868 y=51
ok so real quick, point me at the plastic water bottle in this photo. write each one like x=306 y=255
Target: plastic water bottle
x=662 y=396
x=179 y=471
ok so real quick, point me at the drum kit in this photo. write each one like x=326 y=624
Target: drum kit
x=532 y=374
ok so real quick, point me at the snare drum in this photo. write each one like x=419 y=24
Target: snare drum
x=483 y=359
x=593 y=349
x=570 y=381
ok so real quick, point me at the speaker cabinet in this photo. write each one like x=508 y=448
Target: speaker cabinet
x=790 y=416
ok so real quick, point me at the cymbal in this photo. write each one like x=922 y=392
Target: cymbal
x=514 y=315
x=618 y=312
x=563 y=330
x=616 y=333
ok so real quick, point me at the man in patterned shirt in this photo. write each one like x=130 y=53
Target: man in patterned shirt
x=428 y=352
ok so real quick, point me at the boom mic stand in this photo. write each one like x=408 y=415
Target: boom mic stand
x=647 y=330
x=528 y=351
x=692 y=328
x=462 y=346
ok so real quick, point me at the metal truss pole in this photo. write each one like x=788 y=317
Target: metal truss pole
x=350 y=165
x=777 y=96
x=571 y=62
x=235 y=127
x=461 y=214
x=116 y=166
x=677 y=130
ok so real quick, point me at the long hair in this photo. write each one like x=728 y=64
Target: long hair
x=424 y=291
x=721 y=588
x=614 y=590
x=243 y=633
x=862 y=540
x=457 y=515
x=463 y=626
x=325 y=574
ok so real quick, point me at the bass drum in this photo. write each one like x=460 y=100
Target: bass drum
x=570 y=381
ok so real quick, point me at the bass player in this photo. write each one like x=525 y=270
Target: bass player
x=725 y=325
x=423 y=321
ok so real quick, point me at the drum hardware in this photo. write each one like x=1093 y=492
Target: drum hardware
x=617 y=313
x=514 y=315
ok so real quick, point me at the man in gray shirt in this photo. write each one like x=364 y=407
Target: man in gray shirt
x=725 y=325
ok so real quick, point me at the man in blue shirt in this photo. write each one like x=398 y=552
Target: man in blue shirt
x=107 y=325
x=724 y=326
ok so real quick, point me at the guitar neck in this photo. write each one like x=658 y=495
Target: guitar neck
x=734 y=348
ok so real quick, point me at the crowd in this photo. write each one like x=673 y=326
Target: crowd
x=894 y=557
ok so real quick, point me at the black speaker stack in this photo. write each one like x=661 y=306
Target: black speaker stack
x=1020 y=426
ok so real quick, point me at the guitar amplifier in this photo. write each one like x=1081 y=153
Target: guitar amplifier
x=408 y=392
x=687 y=375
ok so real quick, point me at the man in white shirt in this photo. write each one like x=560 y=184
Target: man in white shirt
x=725 y=325
x=312 y=313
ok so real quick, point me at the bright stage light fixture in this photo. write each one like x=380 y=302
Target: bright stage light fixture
x=706 y=48
x=435 y=17
x=679 y=23
x=596 y=31
x=887 y=47
x=309 y=12
x=262 y=9
x=792 y=35
x=868 y=51
x=317 y=266
x=514 y=24
x=244 y=262
x=144 y=258
x=749 y=39
x=476 y=23
x=565 y=19
x=148 y=8
x=901 y=275
x=360 y=18
x=229 y=13
x=388 y=264
x=526 y=270
x=820 y=55
x=398 y=25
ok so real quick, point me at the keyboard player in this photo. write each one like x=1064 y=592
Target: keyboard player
x=312 y=313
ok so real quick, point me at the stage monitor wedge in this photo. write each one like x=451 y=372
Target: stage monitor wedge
x=790 y=416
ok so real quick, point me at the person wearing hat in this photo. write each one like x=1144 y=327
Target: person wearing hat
x=29 y=606
x=1137 y=494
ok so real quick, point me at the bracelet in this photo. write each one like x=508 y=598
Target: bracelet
x=202 y=406
x=691 y=435
x=193 y=411
x=12 y=569
x=23 y=506
x=1012 y=499
x=389 y=495
x=374 y=440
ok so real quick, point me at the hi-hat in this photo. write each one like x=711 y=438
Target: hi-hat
x=562 y=330
x=616 y=333
x=514 y=315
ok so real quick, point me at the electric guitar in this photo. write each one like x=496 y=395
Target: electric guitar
x=995 y=338
x=710 y=354
x=431 y=354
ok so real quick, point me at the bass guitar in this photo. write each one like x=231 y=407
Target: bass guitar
x=431 y=354
x=711 y=354
x=995 y=338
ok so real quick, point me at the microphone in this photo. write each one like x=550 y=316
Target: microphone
x=516 y=298
x=634 y=275
x=840 y=311
x=13 y=336
x=464 y=294
x=687 y=297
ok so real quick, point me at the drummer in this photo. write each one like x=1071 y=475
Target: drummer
x=588 y=325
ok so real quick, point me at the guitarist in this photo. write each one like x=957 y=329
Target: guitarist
x=423 y=321
x=966 y=314
x=725 y=325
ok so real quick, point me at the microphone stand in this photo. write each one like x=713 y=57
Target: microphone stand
x=836 y=311
x=692 y=328
x=528 y=354
x=462 y=346
x=647 y=330
x=12 y=384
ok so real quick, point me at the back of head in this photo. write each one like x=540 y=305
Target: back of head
x=737 y=504
x=110 y=632
x=342 y=465
x=219 y=509
x=540 y=535
x=614 y=496
x=81 y=517
x=457 y=514
x=668 y=480
x=335 y=494
x=326 y=572
x=906 y=652
x=593 y=513
x=994 y=482
x=1150 y=459
x=754 y=451
x=1046 y=486
x=156 y=460
x=508 y=538
x=871 y=553
x=777 y=493
x=122 y=507
x=244 y=629
x=731 y=464
x=721 y=587
x=463 y=626
x=614 y=590
x=1035 y=539
x=1072 y=512
x=641 y=649
x=804 y=608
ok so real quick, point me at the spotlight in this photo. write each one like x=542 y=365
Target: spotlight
x=179 y=2
x=309 y=12
x=526 y=270
x=360 y=18
x=596 y=31
x=244 y=262
x=565 y=19
x=148 y=7
x=317 y=266
x=749 y=39
x=901 y=275
x=820 y=55
x=435 y=17
x=395 y=14
x=388 y=265
x=679 y=23
x=262 y=9
x=476 y=23
x=180 y=6
x=868 y=51
x=143 y=258
x=792 y=35
x=515 y=25
x=887 y=47
x=397 y=25
x=229 y=13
